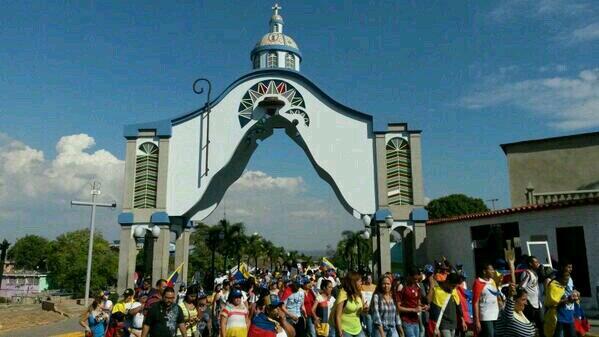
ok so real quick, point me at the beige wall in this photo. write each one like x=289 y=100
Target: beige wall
x=453 y=239
x=552 y=165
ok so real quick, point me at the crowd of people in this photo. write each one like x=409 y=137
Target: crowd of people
x=433 y=301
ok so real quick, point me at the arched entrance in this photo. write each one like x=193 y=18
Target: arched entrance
x=177 y=170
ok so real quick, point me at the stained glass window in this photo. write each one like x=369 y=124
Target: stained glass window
x=272 y=60
x=399 y=172
x=146 y=176
x=290 y=61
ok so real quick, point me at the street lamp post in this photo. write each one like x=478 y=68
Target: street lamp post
x=3 y=248
x=364 y=235
x=374 y=225
x=93 y=204
x=148 y=233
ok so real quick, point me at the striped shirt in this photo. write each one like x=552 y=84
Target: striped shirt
x=511 y=325
x=384 y=312
x=235 y=316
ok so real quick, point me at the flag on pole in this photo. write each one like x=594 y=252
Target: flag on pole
x=174 y=276
x=326 y=264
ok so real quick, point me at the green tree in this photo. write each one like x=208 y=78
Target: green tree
x=353 y=251
x=454 y=205
x=205 y=240
x=254 y=247
x=30 y=252
x=233 y=237
x=67 y=263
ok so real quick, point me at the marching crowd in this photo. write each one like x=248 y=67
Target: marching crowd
x=523 y=300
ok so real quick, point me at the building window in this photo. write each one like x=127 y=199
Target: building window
x=290 y=61
x=146 y=176
x=272 y=60
x=399 y=172
x=256 y=61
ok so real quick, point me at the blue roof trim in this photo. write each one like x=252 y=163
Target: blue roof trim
x=381 y=214
x=273 y=72
x=125 y=218
x=419 y=214
x=160 y=218
x=276 y=47
x=163 y=128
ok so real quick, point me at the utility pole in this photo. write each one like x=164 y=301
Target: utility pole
x=93 y=204
x=493 y=201
x=3 y=248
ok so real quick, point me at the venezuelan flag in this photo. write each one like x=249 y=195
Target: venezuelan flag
x=174 y=276
x=262 y=326
x=440 y=301
x=326 y=264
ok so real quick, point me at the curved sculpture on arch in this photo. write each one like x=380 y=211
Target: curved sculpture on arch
x=209 y=150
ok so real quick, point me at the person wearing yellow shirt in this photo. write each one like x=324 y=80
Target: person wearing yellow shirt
x=348 y=307
x=124 y=305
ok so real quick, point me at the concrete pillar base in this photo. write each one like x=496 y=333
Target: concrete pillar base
x=161 y=254
x=182 y=254
x=127 y=255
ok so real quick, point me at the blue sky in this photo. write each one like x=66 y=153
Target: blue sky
x=471 y=75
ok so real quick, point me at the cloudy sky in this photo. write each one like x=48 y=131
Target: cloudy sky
x=471 y=75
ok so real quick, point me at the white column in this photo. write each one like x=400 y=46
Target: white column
x=161 y=254
x=127 y=255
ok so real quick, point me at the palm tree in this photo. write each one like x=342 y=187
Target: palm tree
x=269 y=251
x=255 y=247
x=354 y=244
x=233 y=235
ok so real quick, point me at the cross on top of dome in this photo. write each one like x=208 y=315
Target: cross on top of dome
x=275 y=49
x=275 y=9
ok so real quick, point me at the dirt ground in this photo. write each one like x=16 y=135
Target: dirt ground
x=19 y=316
x=25 y=315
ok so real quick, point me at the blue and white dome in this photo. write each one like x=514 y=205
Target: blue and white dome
x=275 y=49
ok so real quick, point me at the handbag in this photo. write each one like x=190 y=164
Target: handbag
x=322 y=329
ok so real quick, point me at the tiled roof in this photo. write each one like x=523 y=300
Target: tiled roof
x=520 y=209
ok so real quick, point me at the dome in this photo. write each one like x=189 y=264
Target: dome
x=275 y=49
x=276 y=39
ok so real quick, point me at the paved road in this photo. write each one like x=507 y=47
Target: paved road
x=58 y=328
x=70 y=328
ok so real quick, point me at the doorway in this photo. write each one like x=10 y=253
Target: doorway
x=489 y=242
x=571 y=246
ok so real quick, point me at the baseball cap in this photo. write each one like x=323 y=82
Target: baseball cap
x=128 y=292
x=236 y=293
x=303 y=280
x=274 y=301
x=429 y=269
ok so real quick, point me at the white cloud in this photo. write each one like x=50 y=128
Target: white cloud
x=258 y=180
x=510 y=9
x=584 y=34
x=283 y=210
x=312 y=214
x=35 y=191
x=558 y=68
x=569 y=103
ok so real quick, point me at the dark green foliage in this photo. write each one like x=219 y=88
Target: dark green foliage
x=454 y=205
x=29 y=252
x=67 y=263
